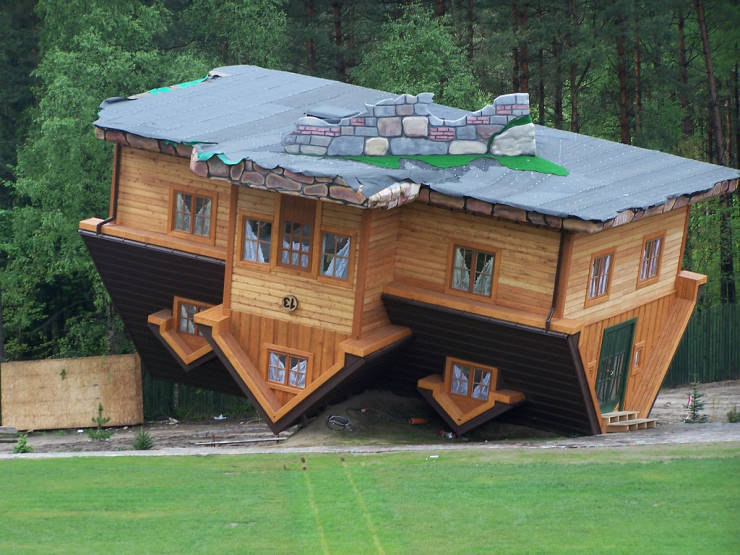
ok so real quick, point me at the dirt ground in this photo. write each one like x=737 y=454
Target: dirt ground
x=374 y=420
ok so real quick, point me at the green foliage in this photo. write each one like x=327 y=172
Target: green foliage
x=733 y=415
x=696 y=406
x=227 y=32
x=98 y=432
x=143 y=440
x=22 y=445
x=417 y=53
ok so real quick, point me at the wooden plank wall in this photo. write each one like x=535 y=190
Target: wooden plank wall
x=383 y=234
x=655 y=321
x=65 y=392
x=253 y=331
x=144 y=185
x=527 y=254
x=320 y=303
x=623 y=292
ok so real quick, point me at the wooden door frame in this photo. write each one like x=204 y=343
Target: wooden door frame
x=623 y=388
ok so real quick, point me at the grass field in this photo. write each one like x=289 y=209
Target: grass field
x=683 y=499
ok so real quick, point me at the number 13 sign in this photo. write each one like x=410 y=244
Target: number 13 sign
x=290 y=303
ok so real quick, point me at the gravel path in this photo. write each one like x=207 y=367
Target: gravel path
x=178 y=439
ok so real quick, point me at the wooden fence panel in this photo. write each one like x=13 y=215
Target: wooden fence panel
x=65 y=393
x=710 y=348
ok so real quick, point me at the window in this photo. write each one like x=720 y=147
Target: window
x=185 y=311
x=470 y=380
x=256 y=240
x=638 y=356
x=650 y=259
x=335 y=255
x=296 y=229
x=472 y=270
x=192 y=213
x=287 y=369
x=598 y=279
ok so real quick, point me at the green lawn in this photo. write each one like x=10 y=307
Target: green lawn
x=683 y=499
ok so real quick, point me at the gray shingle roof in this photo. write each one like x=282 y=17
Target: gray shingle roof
x=241 y=112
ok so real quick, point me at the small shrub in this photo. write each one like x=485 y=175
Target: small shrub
x=733 y=415
x=143 y=441
x=22 y=446
x=695 y=406
x=99 y=433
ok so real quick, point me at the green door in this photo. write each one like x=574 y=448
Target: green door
x=614 y=363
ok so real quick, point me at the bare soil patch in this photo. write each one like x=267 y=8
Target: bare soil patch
x=377 y=419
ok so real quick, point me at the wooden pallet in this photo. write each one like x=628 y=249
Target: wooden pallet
x=626 y=421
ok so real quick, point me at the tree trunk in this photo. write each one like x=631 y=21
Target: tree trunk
x=440 y=7
x=624 y=121
x=557 y=52
x=638 y=81
x=541 y=87
x=575 y=125
x=714 y=105
x=310 y=43
x=515 y=48
x=337 y=10
x=687 y=125
x=524 y=51
x=469 y=21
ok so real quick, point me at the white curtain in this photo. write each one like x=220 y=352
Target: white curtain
x=459 y=380
x=276 y=368
x=182 y=213
x=482 y=284
x=339 y=263
x=203 y=217
x=480 y=391
x=461 y=272
x=298 y=373
x=654 y=259
x=252 y=250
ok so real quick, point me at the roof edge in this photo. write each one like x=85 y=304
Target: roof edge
x=336 y=189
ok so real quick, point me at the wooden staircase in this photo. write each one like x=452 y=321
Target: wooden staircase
x=626 y=421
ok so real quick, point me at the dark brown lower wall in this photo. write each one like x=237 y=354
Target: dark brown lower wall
x=142 y=279
x=545 y=366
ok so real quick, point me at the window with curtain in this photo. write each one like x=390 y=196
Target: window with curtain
x=296 y=231
x=650 y=261
x=598 y=281
x=335 y=251
x=472 y=270
x=287 y=369
x=192 y=214
x=186 y=311
x=257 y=240
x=469 y=379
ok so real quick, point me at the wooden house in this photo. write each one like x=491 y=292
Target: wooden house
x=247 y=254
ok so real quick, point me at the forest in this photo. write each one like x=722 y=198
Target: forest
x=658 y=74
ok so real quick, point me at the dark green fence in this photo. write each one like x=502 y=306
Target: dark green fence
x=710 y=348
x=162 y=399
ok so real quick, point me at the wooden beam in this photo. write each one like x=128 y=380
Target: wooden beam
x=230 y=241
x=367 y=216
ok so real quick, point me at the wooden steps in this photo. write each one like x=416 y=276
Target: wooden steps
x=626 y=421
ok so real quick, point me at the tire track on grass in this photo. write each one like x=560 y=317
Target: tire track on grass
x=361 y=501
x=315 y=511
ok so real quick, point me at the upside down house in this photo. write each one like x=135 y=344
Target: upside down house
x=292 y=239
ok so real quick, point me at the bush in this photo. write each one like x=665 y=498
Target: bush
x=143 y=441
x=99 y=433
x=733 y=415
x=22 y=446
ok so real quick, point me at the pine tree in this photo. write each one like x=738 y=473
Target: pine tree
x=696 y=406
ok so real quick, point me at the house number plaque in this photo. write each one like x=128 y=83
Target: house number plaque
x=290 y=303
